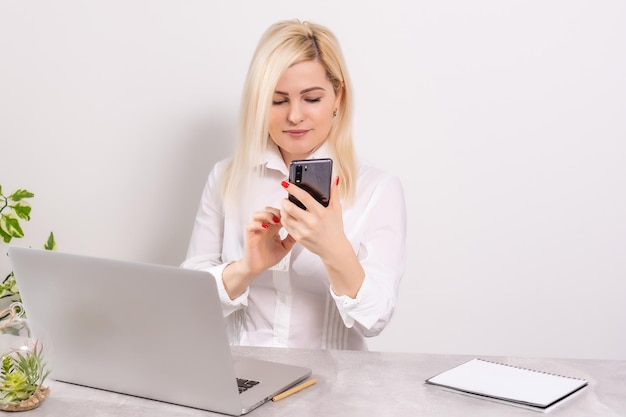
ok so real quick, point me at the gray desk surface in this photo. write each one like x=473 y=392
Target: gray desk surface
x=368 y=384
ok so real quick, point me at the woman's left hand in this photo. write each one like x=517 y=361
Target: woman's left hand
x=317 y=228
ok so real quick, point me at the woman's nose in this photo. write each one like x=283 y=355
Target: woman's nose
x=295 y=114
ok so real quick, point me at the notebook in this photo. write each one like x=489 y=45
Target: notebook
x=509 y=384
x=150 y=331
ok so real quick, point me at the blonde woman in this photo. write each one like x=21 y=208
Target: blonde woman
x=324 y=277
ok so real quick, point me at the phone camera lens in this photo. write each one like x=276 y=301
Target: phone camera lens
x=298 y=174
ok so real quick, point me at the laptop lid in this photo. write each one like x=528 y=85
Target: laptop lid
x=151 y=331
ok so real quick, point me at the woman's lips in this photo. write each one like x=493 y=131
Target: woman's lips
x=297 y=133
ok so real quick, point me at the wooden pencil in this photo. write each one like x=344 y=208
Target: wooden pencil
x=294 y=389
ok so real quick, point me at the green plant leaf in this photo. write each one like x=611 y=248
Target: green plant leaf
x=22 y=211
x=11 y=226
x=16 y=388
x=5 y=236
x=50 y=243
x=20 y=195
x=7 y=366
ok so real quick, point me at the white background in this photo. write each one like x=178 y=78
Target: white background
x=504 y=119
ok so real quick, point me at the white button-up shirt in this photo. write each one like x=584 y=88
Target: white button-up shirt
x=292 y=303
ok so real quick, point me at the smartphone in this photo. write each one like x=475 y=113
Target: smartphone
x=314 y=176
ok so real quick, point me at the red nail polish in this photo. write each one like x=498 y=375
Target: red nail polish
x=284 y=184
x=337 y=182
x=276 y=219
x=264 y=225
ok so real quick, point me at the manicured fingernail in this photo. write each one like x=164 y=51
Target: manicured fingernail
x=264 y=226
x=284 y=184
x=337 y=182
x=276 y=219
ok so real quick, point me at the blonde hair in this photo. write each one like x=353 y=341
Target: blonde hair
x=284 y=44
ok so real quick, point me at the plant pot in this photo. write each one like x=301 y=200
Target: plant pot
x=34 y=401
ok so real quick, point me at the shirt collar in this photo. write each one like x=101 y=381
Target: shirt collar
x=272 y=159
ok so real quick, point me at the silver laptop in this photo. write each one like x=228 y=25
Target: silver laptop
x=145 y=330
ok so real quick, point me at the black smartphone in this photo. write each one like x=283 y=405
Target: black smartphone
x=314 y=176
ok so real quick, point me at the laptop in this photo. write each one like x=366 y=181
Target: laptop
x=145 y=330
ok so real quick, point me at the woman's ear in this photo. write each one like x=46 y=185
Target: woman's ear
x=338 y=97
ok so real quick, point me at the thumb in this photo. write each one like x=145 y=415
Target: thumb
x=288 y=242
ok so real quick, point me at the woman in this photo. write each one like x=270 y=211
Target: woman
x=324 y=277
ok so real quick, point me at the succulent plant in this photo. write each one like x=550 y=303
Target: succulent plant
x=21 y=373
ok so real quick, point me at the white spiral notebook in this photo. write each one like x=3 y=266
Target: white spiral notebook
x=509 y=384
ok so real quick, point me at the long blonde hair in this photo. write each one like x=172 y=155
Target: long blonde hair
x=284 y=44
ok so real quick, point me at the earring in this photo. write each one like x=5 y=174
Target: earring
x=335 y=113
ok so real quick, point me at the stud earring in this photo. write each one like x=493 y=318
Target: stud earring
x=335 y=113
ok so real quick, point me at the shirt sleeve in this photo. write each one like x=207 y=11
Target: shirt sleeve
x=382 y=253
x=207 y=239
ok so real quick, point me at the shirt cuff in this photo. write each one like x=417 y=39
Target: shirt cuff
x=228 y=306
x=363 y=309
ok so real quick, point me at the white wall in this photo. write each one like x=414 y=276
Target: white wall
x=505 y=120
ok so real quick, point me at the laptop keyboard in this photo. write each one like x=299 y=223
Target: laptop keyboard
x=245 y=384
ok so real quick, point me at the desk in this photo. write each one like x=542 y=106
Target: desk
x=368 y=384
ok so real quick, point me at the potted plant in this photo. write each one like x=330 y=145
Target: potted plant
x=22 y=374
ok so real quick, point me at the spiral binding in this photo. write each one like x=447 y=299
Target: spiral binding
x=530 y=370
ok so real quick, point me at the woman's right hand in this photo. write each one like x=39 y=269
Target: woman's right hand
x=264 y=248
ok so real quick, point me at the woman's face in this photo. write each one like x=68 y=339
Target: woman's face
x=302 y=109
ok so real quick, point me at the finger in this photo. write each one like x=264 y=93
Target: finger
x=302 y=195
x=275 y=214
x=288 y=242
x=287 y=210
x=265 y=218
x=256 y=227
x=334 y=190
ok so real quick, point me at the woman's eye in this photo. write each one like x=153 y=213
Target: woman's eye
x=313 y=100
x=278 y=102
